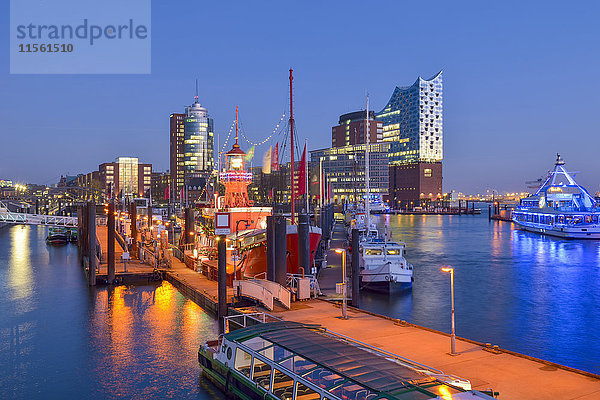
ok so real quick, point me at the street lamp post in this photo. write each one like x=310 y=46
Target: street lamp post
x=342 y=252
x=453 y=335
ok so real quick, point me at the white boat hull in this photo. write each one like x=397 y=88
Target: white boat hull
x=589 y=232
x=386 y=277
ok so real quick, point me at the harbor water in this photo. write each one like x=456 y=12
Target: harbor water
x=60 y=339
x=522 y=291
x=525 y=292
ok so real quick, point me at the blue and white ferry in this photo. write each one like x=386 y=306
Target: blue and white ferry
x=560 y=207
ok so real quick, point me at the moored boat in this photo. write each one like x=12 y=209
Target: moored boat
x=253 y=253
x=383 y=267
x=294 y=361
x=560 y=207
x=57 y=236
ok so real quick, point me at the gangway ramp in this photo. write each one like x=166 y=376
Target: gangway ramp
x=36 y=219
x=264 y=291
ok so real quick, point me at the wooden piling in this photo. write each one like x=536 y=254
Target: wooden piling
x=355 y=270
x=110 y=229
x=92 y=263
x=222 y=282
x=270 y=248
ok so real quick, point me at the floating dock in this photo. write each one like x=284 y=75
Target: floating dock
x=513 y=375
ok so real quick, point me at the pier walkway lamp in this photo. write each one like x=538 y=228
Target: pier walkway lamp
x=453 y=335
x=344 y=306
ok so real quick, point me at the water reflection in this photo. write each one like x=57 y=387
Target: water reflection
x=152 y=330
x=19 y=273
x=59 y=339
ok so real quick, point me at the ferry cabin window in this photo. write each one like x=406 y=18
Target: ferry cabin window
x=303 y=392
x=257 y=343
x=536 y=218
x=560 y=219
x=588 y=219
x=298 y=365
x=261 y=374
x=372 y=252
x=276 y=353
x=283 y=385
x=594 y=219
x=351 y=391
x=577 y=219
x=242 y=362
x=393 y=252
x=323 y=378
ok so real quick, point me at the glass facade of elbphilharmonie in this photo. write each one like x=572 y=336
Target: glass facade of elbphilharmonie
x=413 y=122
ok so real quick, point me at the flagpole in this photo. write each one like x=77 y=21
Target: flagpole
x=321 y=182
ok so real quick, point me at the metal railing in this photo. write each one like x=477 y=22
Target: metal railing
x=293 y=281
x=244 y=320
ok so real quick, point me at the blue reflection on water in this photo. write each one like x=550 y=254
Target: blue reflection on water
x=58 y=338
x=526 y=292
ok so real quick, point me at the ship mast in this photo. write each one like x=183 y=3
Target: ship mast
x=367 y=178
x=292 y=146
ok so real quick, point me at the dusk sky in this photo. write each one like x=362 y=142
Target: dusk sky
x=520 y=84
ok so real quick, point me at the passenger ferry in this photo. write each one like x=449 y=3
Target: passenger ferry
x=383 y=267
x=560 y=207
x=294 y=361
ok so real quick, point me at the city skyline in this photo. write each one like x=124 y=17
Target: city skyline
x=509 y=79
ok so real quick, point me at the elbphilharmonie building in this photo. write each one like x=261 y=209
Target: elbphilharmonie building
x=413 y=124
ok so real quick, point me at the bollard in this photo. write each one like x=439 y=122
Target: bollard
x=110 y=229
x=91 y=243
x=355 y=270
x=222 y=282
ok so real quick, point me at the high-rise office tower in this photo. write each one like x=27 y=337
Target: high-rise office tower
x=177 y=135
x=198 y=157
x=413 y=124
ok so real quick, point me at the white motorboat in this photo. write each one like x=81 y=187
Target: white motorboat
x=383 y=267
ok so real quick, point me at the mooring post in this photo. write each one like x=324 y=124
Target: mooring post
x=222 y=283
x=133 y=216
x=270 y=248
x=355 y=270
x=188 y=218
x=92 y=243
x=280 y=250
x=303 y=242
x=110 y=229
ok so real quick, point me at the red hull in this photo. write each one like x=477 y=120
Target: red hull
x=255 y=258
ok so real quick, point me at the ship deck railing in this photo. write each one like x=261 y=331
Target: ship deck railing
x=234 y=322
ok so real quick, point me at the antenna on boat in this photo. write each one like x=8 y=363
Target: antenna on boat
x=236 y=126
x=367 y=178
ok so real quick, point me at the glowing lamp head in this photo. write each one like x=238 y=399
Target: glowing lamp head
x=237 y=162
x=447 y=269
x=339 y=251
